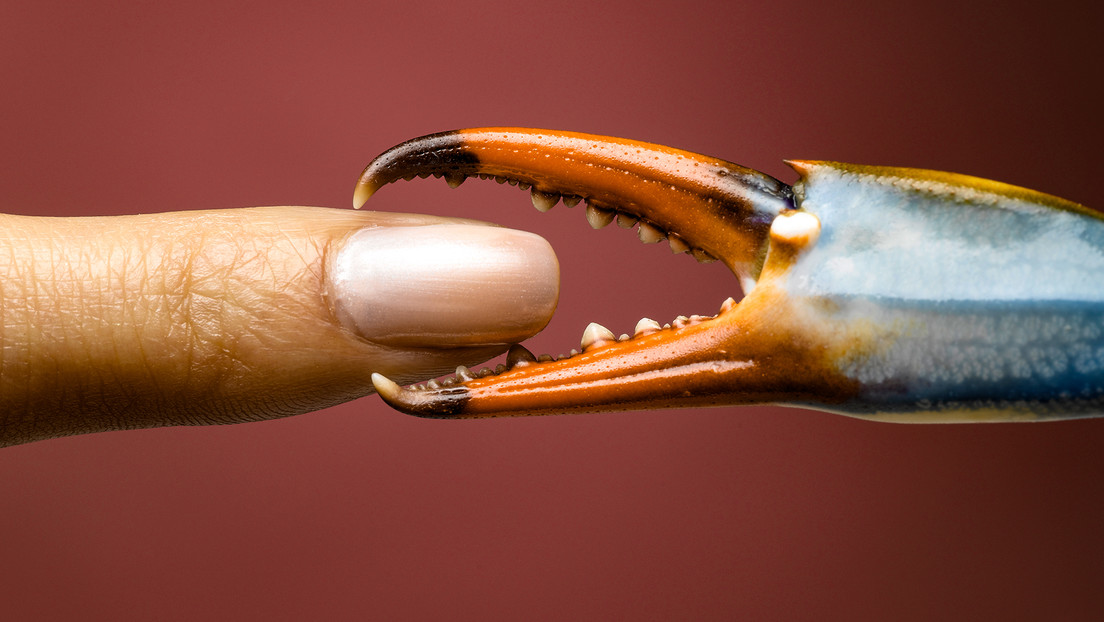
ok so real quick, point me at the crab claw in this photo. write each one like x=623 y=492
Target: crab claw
x=885 y=293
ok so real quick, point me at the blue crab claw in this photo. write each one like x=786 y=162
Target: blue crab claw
x=885 y=293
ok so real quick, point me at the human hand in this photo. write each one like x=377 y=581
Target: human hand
x=227 y=316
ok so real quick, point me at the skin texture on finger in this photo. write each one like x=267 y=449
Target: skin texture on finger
x=188 y=318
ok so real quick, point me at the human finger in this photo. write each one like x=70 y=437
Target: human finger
x=226 y=316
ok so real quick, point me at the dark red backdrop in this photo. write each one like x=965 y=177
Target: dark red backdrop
x=361 y=513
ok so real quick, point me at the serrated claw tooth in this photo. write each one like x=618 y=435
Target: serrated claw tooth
x=463 y=374
x=626 y=221
x=455 y=179
x=544 y=201
x=646 y=326
x=571 y=200
x=649 y=234
x=519 y=356
x=597 y=216
x=728 y=304
x=596 y=335
x=678 y=245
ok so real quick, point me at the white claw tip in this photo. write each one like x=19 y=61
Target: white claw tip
x=361 y=195
x=386 y=387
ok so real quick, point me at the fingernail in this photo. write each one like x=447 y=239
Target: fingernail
x=444 y=285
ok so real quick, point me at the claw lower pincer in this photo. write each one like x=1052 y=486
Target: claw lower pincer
x=885 y=293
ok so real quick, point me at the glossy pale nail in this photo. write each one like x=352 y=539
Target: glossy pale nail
x=444 y=285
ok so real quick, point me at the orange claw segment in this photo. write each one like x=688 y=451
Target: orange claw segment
x=718 y=207
x=744 y=357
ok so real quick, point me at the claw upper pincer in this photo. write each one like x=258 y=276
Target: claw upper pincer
x=720 y=209
x=886 y=293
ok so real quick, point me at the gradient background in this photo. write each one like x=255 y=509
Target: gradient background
x=358 y=512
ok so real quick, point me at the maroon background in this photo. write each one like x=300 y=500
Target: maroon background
x=358 y=512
